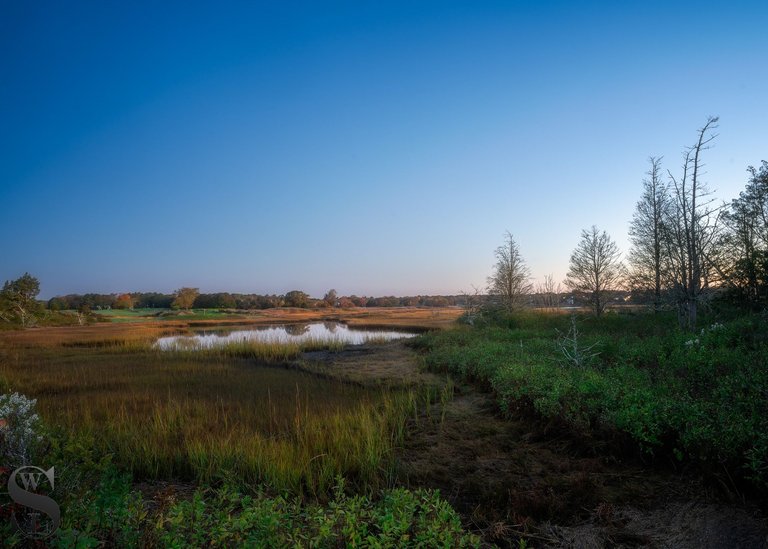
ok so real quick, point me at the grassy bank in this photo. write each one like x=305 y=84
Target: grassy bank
x=404 y=317
x=694 y=397
x=212 y=414
x=140 y=315
x=237 y=446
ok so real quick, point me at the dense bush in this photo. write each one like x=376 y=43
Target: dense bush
x=18 y=429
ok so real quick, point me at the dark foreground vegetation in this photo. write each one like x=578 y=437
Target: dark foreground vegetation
x=635 y=380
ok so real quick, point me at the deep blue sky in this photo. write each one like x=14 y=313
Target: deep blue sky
x=374 y=147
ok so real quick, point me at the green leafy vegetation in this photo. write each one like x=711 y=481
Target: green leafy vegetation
x=397 y=518
x=18 y=303
x=698 y=396
x=101 y=506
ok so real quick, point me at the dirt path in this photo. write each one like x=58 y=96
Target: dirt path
x=517 y=477
x=508 y=478
x=391 y=364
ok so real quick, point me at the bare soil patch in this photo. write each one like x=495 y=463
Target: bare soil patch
x=521 y=477
x=391 y=364
x=510 y=478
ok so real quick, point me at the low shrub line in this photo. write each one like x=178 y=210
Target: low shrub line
x=699 y=396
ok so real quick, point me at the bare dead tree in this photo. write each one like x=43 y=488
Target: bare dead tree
x=82 y=318
x=511 y=276
x=575 y=352
x=595 y=268
x=692 y=229
x=646 y=232
x=548 y=292
x=472 y=303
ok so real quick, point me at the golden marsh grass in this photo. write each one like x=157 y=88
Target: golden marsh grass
x=212 y=413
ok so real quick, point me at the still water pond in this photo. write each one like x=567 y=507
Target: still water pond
x=290 y=333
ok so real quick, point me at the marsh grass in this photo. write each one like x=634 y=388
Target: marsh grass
x=257 y=350
x=214 y=414
x=301 y=450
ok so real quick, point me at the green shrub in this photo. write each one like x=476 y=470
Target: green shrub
x=398 y=518
x=701 y=396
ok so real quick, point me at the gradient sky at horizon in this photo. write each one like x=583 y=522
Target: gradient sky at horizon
x=375 y=148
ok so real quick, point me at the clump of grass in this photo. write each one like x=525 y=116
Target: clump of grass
x=254 y=350
x=302 y=452
x=213 y=414
x=261 y=351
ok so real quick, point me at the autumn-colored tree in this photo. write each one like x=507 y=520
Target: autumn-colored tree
x=123 y=301
x=184 y=298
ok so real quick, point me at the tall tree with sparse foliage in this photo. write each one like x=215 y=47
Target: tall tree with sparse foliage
x=595 y=268
x=647 y=259
x=511 y=277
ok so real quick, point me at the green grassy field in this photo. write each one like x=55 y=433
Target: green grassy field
x=142 y=315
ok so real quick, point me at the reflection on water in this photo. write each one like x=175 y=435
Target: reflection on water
x=295 y=330
x=290 y=333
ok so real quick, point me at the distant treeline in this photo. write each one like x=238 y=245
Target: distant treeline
x=226 y=300
x=296 y=298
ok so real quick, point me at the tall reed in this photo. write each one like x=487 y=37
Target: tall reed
x=209 y=415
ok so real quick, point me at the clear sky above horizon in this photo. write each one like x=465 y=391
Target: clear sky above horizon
x=372 y=147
